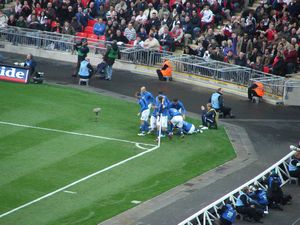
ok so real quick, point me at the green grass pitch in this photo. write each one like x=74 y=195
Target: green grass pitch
x=35 y=162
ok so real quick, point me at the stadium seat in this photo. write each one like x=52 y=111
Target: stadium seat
x=80 y=35
x=102 y=40
x=89 y=30
x=91 y=23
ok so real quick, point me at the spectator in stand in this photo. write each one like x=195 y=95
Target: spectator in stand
x=93 y=11
x=20 y=22
x=217 y=54
x=164 y=9
x=166 y=41
x=99 y=27
x=70 y=14
x=178 y=7
x=270 y=33
x=290 y=55
x=50 y=12
x=12 y=21
x=120 y=38
x=195 y=22
x=154 y=22
x=102 y=12
x=18 y=7
x=34 y=24
x=67 y=29
x=150 y=11
x=76 y=25
x=141 y=18
x=26 y=9
x=143 y=34
x=151 y=43
x=177 y=33
x=141 y=5
x=187 y=29
x=56 y=28
x=130 y=32
x=38 y=9
x=229 y=57
x=267 y=58
x=167 y=21
x=121 y=5
x=279 y=66
x=241 y=59
x=81 y=17
x=207 y=16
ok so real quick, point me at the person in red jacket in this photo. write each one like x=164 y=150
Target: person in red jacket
x=290 y=56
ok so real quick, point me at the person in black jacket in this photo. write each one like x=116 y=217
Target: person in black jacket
x=166 y=41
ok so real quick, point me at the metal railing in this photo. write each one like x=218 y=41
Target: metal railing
x=227 y=72
x=216 y=70
x=209 y=214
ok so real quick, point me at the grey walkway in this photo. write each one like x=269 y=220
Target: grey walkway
x=271 y=130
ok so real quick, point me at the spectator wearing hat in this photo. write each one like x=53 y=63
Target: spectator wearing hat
x=151 y=42
x=177 y=33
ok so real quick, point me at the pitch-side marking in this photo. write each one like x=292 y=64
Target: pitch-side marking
x=79 y=181
x=79 y=134
x=70 y=192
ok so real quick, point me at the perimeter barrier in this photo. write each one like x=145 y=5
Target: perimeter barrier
x=195 y=65
x=209 y=214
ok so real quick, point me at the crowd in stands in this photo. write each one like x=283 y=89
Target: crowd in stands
x=266 y=39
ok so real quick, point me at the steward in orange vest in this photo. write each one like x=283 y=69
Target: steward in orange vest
x=256 y=89
x=165 y=73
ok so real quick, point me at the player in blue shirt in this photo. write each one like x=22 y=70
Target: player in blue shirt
x=176 y=104
x=162 y=113
x=147 y=96
x=176 y=120
x=144 y=114
x=189 y=128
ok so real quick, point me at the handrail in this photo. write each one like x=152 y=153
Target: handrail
x=204 y=214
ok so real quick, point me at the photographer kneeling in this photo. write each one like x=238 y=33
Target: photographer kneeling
x=86 y=70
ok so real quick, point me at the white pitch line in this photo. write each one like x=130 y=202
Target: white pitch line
x=70 y=192
x=78 y=181
x=74 y=133
x=296 y=221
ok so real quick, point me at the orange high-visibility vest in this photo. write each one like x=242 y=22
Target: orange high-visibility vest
x=259 y=89
x=167 y=72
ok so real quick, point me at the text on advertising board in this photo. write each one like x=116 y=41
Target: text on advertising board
x=14 y=74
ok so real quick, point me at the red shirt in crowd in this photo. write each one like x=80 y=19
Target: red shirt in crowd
x=270 y=34
x=290 y=56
